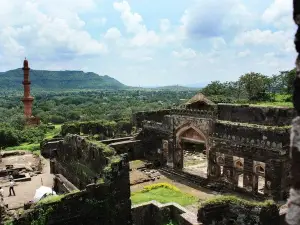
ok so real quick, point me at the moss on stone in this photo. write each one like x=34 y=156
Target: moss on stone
x=233 y=200
x=263 y=127
x=50 y=199
x=107 y=151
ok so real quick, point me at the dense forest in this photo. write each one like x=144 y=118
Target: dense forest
x=58 y=108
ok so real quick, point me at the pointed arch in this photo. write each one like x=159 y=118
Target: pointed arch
x=181 y=130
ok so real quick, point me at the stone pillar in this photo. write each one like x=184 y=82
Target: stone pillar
x=27 y=99
x=273 y=178
x=293 y=212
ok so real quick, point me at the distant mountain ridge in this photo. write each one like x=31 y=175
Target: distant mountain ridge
x=58 y=80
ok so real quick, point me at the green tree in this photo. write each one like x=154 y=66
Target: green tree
x=256 y=86
x=288 y=78
x=8 y=136
x=214 y=88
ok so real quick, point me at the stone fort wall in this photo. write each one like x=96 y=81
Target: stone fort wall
x=104 y=200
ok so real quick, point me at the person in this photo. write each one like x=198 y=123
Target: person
x=1 y=193
x=11 y=187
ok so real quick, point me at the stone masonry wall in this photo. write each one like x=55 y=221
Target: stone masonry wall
x=156 y=116
x=257 y=115
x=293 y=212
x=106 y=203
x=154 y=213
x=80 y=160
x=252 y=146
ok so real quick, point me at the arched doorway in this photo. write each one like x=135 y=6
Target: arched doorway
x=191 y=150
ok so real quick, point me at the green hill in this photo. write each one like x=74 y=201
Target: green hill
x=43 y=80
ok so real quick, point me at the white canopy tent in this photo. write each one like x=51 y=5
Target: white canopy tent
x=42 y=192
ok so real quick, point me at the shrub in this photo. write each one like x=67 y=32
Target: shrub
x=159 y=185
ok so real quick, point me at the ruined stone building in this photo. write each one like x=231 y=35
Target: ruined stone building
x=246 y=146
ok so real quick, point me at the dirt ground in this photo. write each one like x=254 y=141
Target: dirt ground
x=195 y=163
x=25 y=191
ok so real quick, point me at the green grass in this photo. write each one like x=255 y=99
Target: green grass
x=50 y=199
x=163 y=193
x=25 y=146
x=35 y=147
x=234 y=200
x=136 y=164
x=51 y=133
x=275 y=104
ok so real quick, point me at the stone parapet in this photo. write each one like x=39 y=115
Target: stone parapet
x=153 y=212
x=193 y=112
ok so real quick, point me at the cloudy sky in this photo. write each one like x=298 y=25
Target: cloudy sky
x=149 y=42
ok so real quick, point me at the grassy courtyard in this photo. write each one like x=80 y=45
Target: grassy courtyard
x=163 y=193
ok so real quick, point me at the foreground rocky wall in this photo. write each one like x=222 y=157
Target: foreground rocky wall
x=293 y=212
x=226 y=210
x=80 y=160
x=106 y=202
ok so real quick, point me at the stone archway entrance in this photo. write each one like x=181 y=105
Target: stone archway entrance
x=191 y=149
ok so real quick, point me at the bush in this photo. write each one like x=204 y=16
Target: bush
x=159 y=185
x=9 y=137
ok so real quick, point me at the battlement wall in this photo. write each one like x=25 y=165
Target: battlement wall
x=271 y=116
x=262 y=136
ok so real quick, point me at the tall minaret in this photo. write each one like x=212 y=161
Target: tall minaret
x=27 y=99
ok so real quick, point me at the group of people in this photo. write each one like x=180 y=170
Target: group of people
x=11 y=188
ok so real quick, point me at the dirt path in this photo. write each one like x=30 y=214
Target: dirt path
x=25 y=191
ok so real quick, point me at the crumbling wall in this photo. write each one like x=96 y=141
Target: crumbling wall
x=48 y=146
x=154 y=213
x=156 y=116
x=81 y=160
x=226 y=210
x=103 y=129
x=257 y=115
x=151 y=140
x=105 y=203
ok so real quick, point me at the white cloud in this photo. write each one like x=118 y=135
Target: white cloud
x=132 y=21
x=206 y=19
x=279 y=13
x=40 y=29
x=142 y=37
x=185 y=53
x=243 y=54
x=262 y=37
x=112 y=33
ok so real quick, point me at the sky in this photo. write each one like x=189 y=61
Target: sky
x=149 y=42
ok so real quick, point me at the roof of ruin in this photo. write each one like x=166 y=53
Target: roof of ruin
x=199 y=98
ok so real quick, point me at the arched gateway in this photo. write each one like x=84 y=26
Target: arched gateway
x=190 y=150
